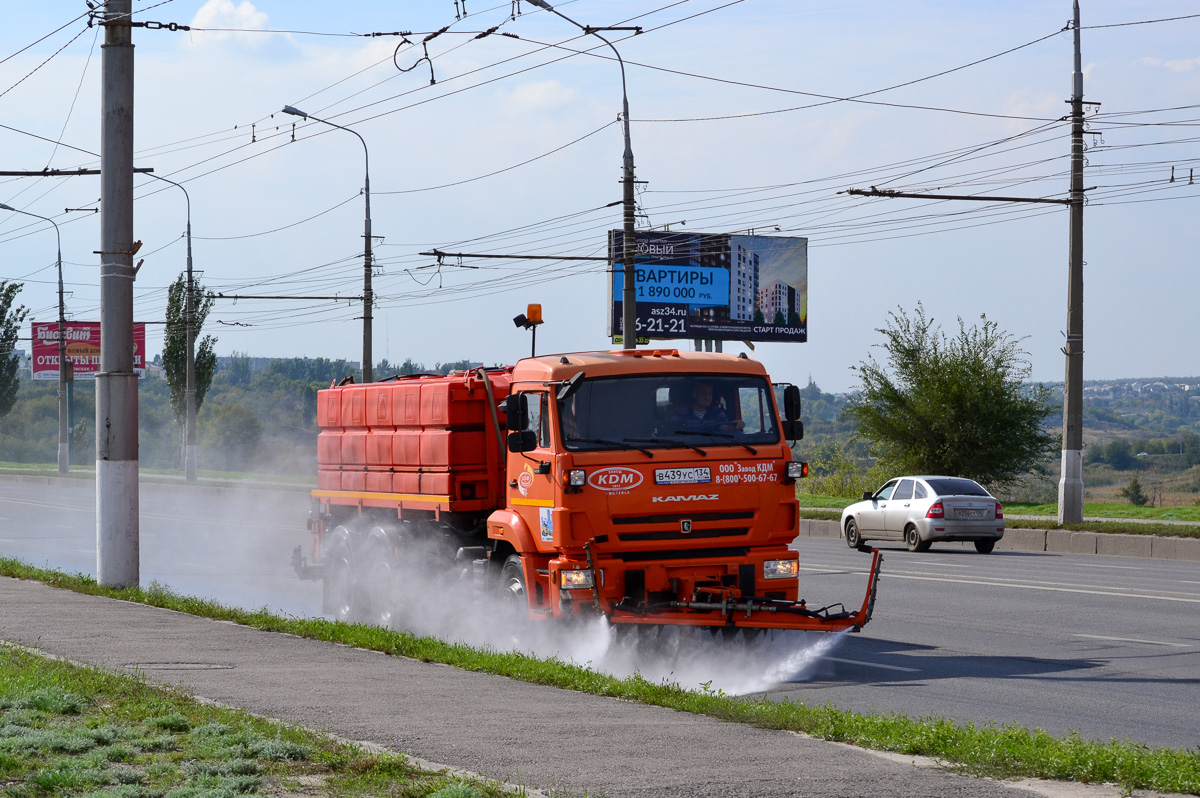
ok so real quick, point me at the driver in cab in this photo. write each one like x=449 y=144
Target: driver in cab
x=702 y=413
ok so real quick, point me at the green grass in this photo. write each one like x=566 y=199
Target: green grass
x=1000 y=751
x=1095 y=510
x=67 y=730
x=1109 y=510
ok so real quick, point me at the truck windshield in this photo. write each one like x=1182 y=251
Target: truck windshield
x=665 y=411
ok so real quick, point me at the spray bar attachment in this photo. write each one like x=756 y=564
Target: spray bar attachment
x=754 y=611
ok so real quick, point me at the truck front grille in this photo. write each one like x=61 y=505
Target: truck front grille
x=675 y=534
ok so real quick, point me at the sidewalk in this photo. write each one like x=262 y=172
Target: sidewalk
x=559 y=742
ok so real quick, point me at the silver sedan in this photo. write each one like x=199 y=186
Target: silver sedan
x=921 y=510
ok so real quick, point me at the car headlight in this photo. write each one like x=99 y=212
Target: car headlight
x=576 y=580
x=576 y=477
x=780 y=569
x=797 y=469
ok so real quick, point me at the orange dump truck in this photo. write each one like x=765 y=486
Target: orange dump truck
x=648 y=486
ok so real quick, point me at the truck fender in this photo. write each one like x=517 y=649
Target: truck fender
x=508 y=526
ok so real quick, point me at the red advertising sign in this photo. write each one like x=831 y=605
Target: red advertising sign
x=83 y=349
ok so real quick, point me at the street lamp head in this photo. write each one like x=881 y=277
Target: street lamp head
x=4 y=207
x=287 y=109
x=540 y=4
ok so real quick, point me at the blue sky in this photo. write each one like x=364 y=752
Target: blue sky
x=533 y=150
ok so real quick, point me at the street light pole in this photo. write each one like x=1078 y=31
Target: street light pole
x=368 y=295
x=628 y=237
x=189 y=417
x=64 y=448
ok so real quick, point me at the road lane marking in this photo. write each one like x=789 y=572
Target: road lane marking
x=944 y=564
x=1122 y=567
x=1113 y=592
x=1133 y=640
x=872 y=665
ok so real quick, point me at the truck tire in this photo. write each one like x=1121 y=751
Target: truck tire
x=339 y=584
x=381 y=588
x=512 y=583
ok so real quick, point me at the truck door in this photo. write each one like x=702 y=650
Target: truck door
x=530 y=474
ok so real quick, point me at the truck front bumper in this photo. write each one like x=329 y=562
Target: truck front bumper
x=753 y=612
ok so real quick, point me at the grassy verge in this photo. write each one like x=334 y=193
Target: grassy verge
x=1111 y=510
x=1103 y=527
x=67 y=731
x=999 y=751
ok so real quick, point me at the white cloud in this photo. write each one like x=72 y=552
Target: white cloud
x=543 y=95
x=224 y=14
x=1175 y=65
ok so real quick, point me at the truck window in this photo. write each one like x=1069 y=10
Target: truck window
x=669 y=411
x=539 y=419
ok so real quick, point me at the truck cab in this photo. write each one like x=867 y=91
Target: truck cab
x=651 y=486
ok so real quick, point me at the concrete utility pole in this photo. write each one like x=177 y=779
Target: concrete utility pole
x=629 y=236
x=64 y=447
x=117 y=534
x=368 y=294
x=1070 y=485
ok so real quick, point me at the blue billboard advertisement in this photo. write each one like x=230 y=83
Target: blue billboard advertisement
x=714 y=286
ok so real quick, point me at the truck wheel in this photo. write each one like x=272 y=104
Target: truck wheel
x=339 y=581
x=381 y=586
x=512 y=583
x=853 y=538
x=985 y=546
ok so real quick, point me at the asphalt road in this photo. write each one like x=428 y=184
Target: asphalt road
x=1106 y=646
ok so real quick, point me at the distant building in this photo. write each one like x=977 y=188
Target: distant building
x=743 y=284
x=777 y=297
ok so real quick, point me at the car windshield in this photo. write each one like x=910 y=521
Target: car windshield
x=667 y=411
x=956 y=486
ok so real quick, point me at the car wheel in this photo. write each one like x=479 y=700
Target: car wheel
x=912 y=539
x=985 y=546
x=853 y=538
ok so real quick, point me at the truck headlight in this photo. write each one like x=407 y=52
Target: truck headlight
x=576 y=580
x=780 y=569
x=576 y=477
x=797 y=469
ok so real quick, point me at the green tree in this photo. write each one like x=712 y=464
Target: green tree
x=956 y=406
x=174 y=355
x=1133 y=492
x=11 y=318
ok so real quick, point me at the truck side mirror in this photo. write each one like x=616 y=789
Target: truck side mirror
x=524 y=440
x=516 y=414
x=793 y=429
x=791 y=403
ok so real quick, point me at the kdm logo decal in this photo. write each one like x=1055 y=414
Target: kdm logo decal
x=615 y=478
x=691 y=497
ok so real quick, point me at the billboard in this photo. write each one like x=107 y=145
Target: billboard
x=714 y=286
x=83 y=349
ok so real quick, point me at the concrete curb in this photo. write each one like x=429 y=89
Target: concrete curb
x=1060 y=541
